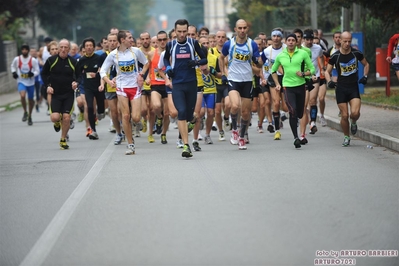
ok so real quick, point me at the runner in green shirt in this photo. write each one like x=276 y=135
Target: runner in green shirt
x=295 y=63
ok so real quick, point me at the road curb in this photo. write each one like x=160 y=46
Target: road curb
x=379 y=105
x=10 y=106
x=367 y=134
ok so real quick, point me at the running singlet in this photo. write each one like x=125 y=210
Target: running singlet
x=161 y=64
x=266 y=67
x=23 y=66
x=240 y=59
x=200 y=82
x=102 y=58
x=330 y=52
x=209 y=80
x=316 y=52
x=146 y=86
x=126 y=63
x=269 y=54
x=215 y=52
x=347 y=65
x=156 y=79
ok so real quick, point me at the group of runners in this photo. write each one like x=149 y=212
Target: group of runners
x=200 y=79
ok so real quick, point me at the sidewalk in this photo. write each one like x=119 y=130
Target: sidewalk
x=9 y=100
x=376 y=124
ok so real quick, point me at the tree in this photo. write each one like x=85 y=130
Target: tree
x=87 y=18
x=18 y=9
x=386 y=11
x=264 y=15
x=138 y=17
x=58 y=17
x=194 y=10
x=12 y=17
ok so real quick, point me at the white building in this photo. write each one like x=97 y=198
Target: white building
x=215 y=14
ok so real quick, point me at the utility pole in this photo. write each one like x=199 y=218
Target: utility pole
x=34 y=26
x=345 y=19
x=313 y=13
x=356 y=18
x=74 y=33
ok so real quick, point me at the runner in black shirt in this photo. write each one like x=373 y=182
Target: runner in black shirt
x=88 y=67
x=59 y=78
x=346 y=61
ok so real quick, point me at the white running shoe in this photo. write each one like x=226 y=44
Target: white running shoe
x=227 y=125
x=130 y=149
x=179 y=144
x=234 y=137
x=208 y=140
x=118 y=139
x=323 y=121
x=112 y=129
x=241 y=144
x=221 y=136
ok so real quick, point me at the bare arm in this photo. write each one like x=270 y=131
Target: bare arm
x=222 y=65
x=366 y=66
x=327 y=73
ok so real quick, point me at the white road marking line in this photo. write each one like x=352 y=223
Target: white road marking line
x=49 y=237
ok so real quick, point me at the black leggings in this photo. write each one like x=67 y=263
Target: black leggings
x=37 y=90
x=90 y=95
x=295 y=99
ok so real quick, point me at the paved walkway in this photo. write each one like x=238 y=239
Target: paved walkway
x=376 y=124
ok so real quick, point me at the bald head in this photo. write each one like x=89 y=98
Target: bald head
x=240 y=22
x=64 y=42
x=63 y=48
x=221 y=33
x=346 y=41
x=346 y=35
x=241 y=29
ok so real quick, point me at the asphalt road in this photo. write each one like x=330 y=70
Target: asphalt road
x=269 y=205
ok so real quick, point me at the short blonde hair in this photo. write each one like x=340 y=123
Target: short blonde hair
x=51 y=44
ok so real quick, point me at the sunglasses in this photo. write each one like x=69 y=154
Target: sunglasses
x=164 y=39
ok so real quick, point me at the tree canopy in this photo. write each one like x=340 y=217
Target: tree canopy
x=91 y=18
x=18 y=9
x=386 y=11
x=194 y=10
x=265 y=15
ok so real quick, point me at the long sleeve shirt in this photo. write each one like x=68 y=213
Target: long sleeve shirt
x=59 y=73
x=87 y=65
x=393 y=47
x=22 y=66
x=292 y=63
x=177 y=56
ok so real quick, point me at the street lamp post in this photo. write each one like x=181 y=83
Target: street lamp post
x=74 y=28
